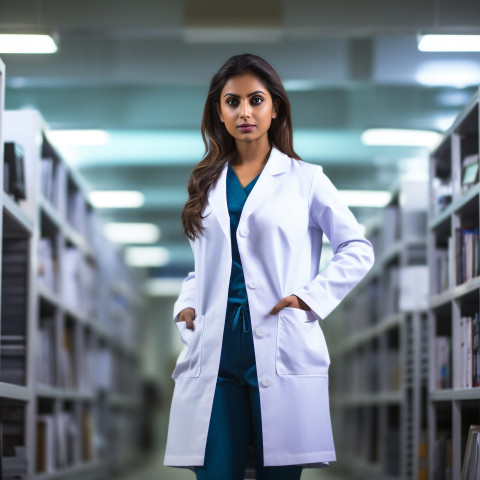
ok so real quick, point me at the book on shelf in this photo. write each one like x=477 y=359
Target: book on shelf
x=470 y=168
x=392 y=447
x=391 y=226
x=466 y=254
x=47 y=264
x=441 y=263
x=15 y=467
x=466 y=371
x=45 y=349
x=459 y=364
x=76 y=210
x=476 y=350
x=14 y=168
x=71 y=278
x=53 y=181
x=468 y=353
x=67 y=437
x=88 y=433
x=442 y=194
x=47 y=177
x=13 y=359
x=413 y=288
x=104 y=369
x=442 y=362
x=391 y=290
x=442 y=458
x=86 y=381
x=45 y=443
x=422 y=469
x=66 y=371
x=393 y=367
x=89 y=282
x=451 y=261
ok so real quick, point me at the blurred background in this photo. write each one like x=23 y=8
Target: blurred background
x=114 y=111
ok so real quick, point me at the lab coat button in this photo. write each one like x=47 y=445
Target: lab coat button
x=244 y=231
x=252 y=284
x=260 y=332
x=265 y=381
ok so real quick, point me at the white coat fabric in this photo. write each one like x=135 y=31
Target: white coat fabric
x=280 y=242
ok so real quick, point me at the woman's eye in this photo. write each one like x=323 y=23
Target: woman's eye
x=257 y=100
x=232 y=101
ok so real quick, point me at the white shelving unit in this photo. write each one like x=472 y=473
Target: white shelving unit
x=378 y=348
x=71 y=318
x=454 y=293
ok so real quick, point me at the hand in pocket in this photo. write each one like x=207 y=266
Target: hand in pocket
x=187 y=315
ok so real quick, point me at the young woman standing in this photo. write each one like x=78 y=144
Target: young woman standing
x=254 y=366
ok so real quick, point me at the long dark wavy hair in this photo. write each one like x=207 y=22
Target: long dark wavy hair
x=220 y=145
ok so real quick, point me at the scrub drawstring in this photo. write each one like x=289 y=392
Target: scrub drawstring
x=243 y=311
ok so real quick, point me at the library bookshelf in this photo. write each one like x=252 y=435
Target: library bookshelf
x=379 y=348
x=71 y=311
x=453 y=401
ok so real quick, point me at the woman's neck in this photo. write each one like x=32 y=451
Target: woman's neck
x=252 y=153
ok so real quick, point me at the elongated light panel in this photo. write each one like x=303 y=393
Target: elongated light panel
x=116 y=199
x=400 y=137
x=132 y=232
x=23 y=43
x=449 y=43
x=365 y=198
x=77 y=138
x=147 y=256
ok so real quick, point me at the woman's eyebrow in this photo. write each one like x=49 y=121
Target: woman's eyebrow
x=249 y=95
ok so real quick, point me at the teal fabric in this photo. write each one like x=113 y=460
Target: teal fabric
x=236 y=417
x=236 y=198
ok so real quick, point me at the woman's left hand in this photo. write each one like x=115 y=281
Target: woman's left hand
x=291 y=301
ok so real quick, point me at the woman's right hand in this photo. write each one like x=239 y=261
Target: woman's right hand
x=187 y=315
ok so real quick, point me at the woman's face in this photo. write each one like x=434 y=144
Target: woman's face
x=246 y=108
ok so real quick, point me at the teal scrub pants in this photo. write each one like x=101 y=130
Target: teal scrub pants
x=236 y=418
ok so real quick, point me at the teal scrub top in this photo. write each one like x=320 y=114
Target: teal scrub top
x=236 y=198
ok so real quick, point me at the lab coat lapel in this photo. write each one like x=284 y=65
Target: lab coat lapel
x=267 y=183
x=277 y=164
x=218 y=201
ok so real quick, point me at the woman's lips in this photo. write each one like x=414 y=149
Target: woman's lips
x=246 y=127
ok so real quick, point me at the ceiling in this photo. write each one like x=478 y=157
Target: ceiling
x=140 y=70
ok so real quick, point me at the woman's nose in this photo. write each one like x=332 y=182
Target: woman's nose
x=245 y=110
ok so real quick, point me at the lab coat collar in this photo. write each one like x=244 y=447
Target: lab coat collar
x=277 y=164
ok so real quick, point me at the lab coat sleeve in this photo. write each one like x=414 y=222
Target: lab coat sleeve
x=352 y=252
x=186 y=299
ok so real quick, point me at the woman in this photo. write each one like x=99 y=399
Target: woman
x=254 y=367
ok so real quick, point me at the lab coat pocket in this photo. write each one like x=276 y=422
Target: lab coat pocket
x=189 y=360
x=301 y=346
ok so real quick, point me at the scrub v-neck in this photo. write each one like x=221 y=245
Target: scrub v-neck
x=247 y=188
x=236 y=198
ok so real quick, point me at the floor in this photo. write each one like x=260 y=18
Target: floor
x=154 y=470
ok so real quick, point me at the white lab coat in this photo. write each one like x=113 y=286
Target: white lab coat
x=280 y=242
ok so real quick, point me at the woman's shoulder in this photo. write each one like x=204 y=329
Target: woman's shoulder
x=304 y=168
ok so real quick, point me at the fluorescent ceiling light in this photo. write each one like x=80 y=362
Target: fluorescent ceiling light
x=445 y=122
x=400 y=137
x=232 y=34
x=299 y=85
x=452 y=73
x=365 y=198
x=116 y=199
x=27 y=43
x=449 y=43
x=79 y=137
x=164 y=287
x=132 y=232
x=147 y=256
